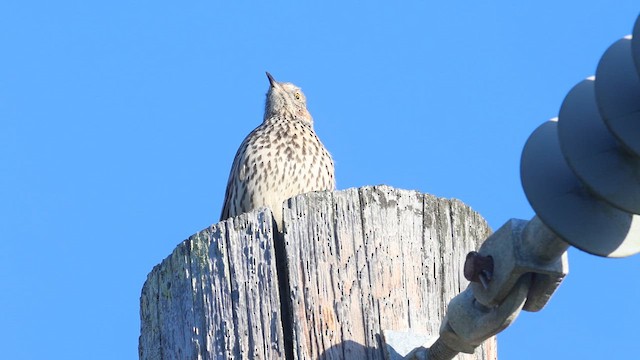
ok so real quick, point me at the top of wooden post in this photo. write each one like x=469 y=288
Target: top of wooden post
x=350 y=264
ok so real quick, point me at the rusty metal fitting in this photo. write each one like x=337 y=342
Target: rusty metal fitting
x=478 y=268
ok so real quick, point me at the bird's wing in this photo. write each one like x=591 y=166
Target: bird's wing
x=234 y=177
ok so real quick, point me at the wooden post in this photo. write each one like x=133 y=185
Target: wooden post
x=349 y=264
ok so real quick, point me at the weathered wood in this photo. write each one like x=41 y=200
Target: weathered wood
x=374 y=258
x=352 y=263
x=215 y=296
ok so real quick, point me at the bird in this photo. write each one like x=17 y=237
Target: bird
x=281 y=158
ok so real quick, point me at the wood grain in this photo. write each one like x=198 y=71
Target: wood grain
x=215 y=296
x=354 y=262
x=374 y=258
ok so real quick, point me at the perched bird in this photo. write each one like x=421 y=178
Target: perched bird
x=279 y=159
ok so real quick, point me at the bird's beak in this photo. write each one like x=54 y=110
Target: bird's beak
x=272 y=81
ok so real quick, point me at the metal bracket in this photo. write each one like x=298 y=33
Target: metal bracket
x=400 y=344
x=520 y=247
x=518 y=267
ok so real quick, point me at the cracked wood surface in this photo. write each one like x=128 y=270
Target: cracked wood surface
x=374 y=258
x=357 y=261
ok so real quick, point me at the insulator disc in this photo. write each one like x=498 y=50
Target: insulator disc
x=593 y=153
x=618 y=94
x=635 y=44
x=566 y=207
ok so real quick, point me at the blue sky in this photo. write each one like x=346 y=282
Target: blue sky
x=119 y=121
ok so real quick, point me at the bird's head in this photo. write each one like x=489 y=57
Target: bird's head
x=286 y=101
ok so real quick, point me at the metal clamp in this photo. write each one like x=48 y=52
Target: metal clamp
x=518 y=267
x=520 y=247
x=469 y=323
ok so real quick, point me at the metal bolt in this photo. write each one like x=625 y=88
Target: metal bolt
x=478 y=268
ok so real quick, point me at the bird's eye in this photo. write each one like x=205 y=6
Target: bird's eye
x=297 y=95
